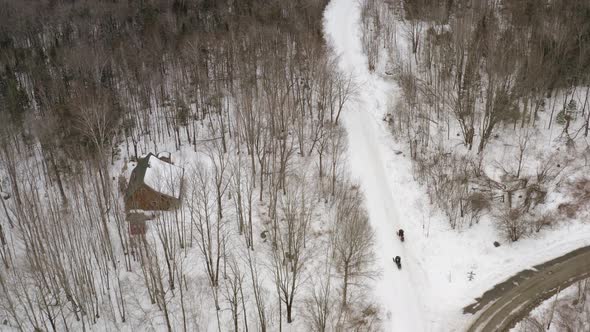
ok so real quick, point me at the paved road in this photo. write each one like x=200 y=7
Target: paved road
x=509 y=302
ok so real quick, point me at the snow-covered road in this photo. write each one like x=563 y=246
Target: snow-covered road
x=434 y=284
x=395 y=289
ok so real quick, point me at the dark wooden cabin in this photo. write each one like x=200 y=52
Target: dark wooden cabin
x=154 y=185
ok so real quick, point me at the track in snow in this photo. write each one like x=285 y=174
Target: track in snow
x=394 y=289
x=510 y=301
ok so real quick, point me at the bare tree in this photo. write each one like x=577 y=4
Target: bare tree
x=352 y=241
x=210 y=228
x=523 y=141
x=345 y=89
x=221 y=172
x=258 y=290
x=320 y=303
x=290 y=255
x=234 y=295
x=513 y=223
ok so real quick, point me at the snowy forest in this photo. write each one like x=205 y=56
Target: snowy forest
x=246 y=93
x=493 y=103
x=189 y=165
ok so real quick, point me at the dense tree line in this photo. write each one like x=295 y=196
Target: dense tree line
x=58 y=56
x=515 y=53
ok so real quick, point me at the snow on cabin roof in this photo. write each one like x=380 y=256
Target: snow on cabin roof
x=163 y=177
x=164 y=154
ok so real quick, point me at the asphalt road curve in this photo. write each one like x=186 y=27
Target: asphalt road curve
x=510 y=301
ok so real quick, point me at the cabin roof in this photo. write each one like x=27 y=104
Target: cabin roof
x=163 y=177
x=158 y=175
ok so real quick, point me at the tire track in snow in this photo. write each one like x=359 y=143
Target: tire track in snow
x=510 y=301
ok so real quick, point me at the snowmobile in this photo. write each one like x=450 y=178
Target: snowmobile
x=398 y=261
x=400 y=234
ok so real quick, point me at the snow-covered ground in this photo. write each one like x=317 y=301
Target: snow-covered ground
x=434 y=284
x=394 y=287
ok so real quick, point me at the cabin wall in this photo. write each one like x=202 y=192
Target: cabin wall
x=146 y=198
